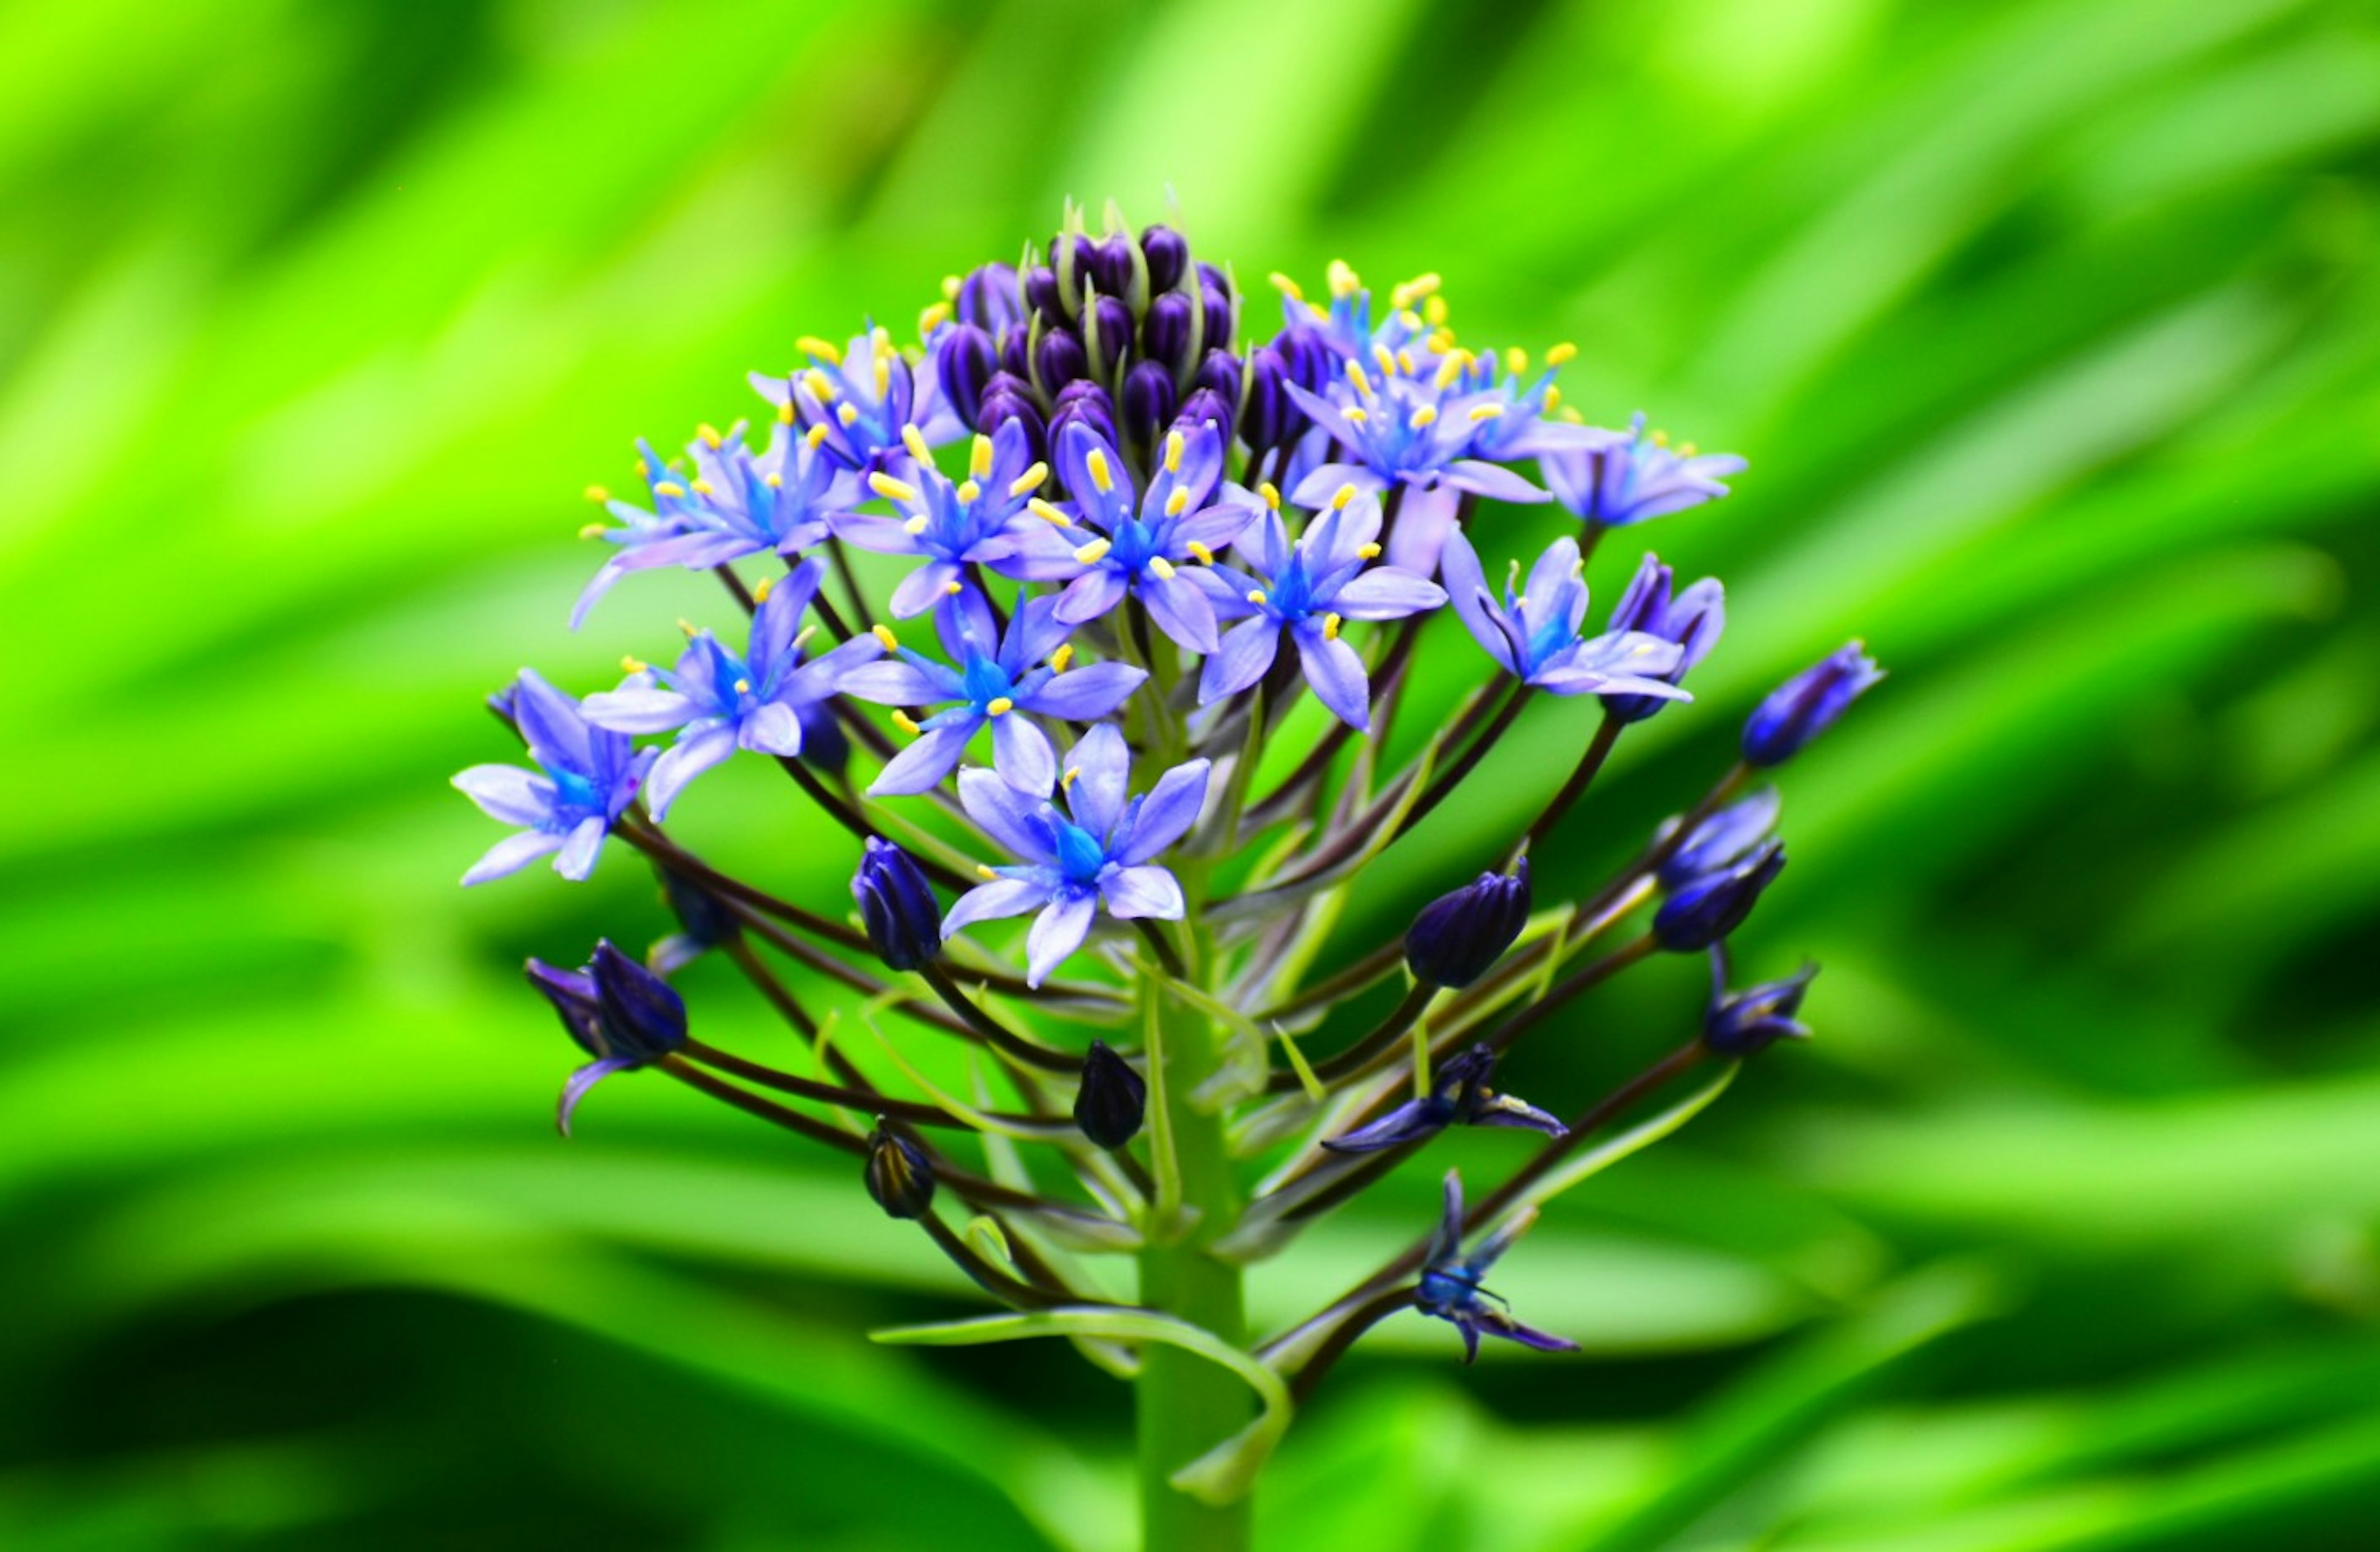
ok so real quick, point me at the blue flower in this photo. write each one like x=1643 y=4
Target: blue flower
x=1413 y=426
x=1757 y=1017
x=1692 y=619
x=1142 y=544
x=1450 y=1287
x=1309 y=590
x=1098 y=851
x=586 y=776
x=1459 y=1092
x=857 y=402
x=1808 y=704
x=620 y=1015
x=1630 y=478
x=1534 y=636
x=1723 y=839
x=980 y=521
x=739 y=502
x=719 y=703
x=997 y=676
x=1704 y=909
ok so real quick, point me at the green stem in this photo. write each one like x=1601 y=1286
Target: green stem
x=1187 y=1405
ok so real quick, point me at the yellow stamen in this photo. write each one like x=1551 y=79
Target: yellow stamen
x=773 y=482
x=1097 y=462
x=1067 y=782
x=1046 y=511
x=883 y=372
x=1381 y=354
x=967 y=492
x=1093 y=551
x=933 y=318
x=1358 y=379
x=815 y=436
x=803 y=635
x=690 y=628
x=1340 y=497
x=709 y=434
x=633 y=666
x=1451 y=366
x=914 y=440
x=1434 y=309
x=1486 y=412
x=786 y=413
x=598 y=493
x=824 y=350
x=983 y=872
x=1516 y=360
x=1200 y=553
x=953 y=588
x=702 y=488
x=1344 y=282
x=1553 y=398
x=1000 y=706
x=846 y=413
x=1029 y=481
x=1405 y=363
x=1572 y=416
x=1564 y=352
x=884 y=634
x=1330 y=624
x=1686 y=450
x=1255 y=595
x=669 y=488
x=1369 y=551
x=1356 y=414
x=1287 y=286
x=1423 y=417
x=1271 y=494
x=891 y=489
x=1179 y=502
x=1410 y=318
x=821 y=386
x=951 y=285
x=762 y=588
x=1174 y=452
x=1660 y=439
x=978 y=457
x=592 y=530
x=742 y=687
x=1163 y=568
x=1417 y=288
x=906 y=723
x=917 y=525
x=1062 y=657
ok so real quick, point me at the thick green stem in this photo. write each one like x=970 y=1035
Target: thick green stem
x=1187 y=1405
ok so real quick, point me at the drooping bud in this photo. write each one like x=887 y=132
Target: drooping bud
x=988 y=300
x=1165 y=333
x=897 y=906
x=1703 y=910
x=1808 y=704
x=1147 y=401
x=1060 y=359
x=965 y=359
x=1113 y=1100
x=899 y=1176
x=1723 y=839
x=1168 y=253
x=1757 y=1017
x=1459 y=1093
x=704 y=923
x=1204 y=407
x=1459 y=937
x=619 y=1013
x=1692 y=619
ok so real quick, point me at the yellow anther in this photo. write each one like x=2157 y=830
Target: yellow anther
x=1434 y=308
x=1200 y=553
x=952 y=589
x=1287 y=286
x=1387 y=359
x=742 y=687
x=592 y=530
x=1179 y=502
x=1173 y=445
x=1686 y=450
x=1405 y=363
x=1067 y=782
x=847 y=413
x=1553 y=398
x=702 y=488
x=824 y=350
x=1344 y=282
x=951 y=285
x=883 y=374
x=762 y=588
x=1161 y=567
x=891 y=489
x=1271 y=494
x=933 y=318
x=1486 y=412
x=884 y=634
x=1357 y=379
x=917 y=525
x=669 y=488
x=999 y=705
x=1423 y=417
x=598 y=493
x=773 y=482
x=985 y=873
x=689 y=627
x=906 y=723
x=1564 y=352
x=1660 y=439
x=1369 y=551
x=978 y=457
x=815 y=436
x=803 y=635
x=1029 y=481
x=1330 y=624
x=1046 y=511
x=632 y=664
x=1574 y=417
x=1255 y=595
x=786 y=413
x=1356 y=414
x=1516 y=360
x=967 y=492
x=1442 y=341
x=709 y=434
x=821 y=386
x=1097 y=462
x=1417 y=288
x=1451 y=366
x=1093 y=551
x=914 y=440
x=1062 y=657
x=1340 y=497
x=880 y=337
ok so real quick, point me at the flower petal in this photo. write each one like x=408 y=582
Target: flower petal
x=683 y=762
x=1387 y=593
x=1247 y=650
x=1017 y=820
x=771 y=729
x=1181 y=611
x=511 y=854
x=577 y=858
x=1169 y=810
x=921 y=766
x=1021 y=753
x=890 y=682
x=638 y=709
x=1335 y=675
x=1057 y=933
x=1102 y=766
x=507 y=791
x=1132 y=892
x=993 y=901
x=1081 y=695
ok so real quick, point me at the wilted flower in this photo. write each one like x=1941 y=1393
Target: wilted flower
x=1450 y=1283
x=1460 y=1094
x=1745 y=1023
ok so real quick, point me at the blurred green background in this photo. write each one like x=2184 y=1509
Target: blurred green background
x=2049 y=330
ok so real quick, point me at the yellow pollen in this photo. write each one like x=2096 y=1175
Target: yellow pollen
x=824 y=350
x=1450 y=368
x=786 y=413
x=1410 y=318
x=821 y=386
x=1516 y=360
x=891 y=489
x=1417 y=288
x=1330 y=624
x=815 y=436
x=983 y=872
x=1405 y=363
x=1340 y=497
x=1355 y=376
x=709 y=433
x=978 y=457
x=1486 y=412
x=598 y=493
x=591 y=531
x=761 y=589
x=1046 y=511
x=1434 y=308
x=1369 y=551
x=1093 y=551
x=905 y=723
x=1062 y=657
x=880 y=336
x=1660 y=439
x=1255 y=595
x=691 y=629
x=1029 y=481
x=884 y=634
x=1686 y=450
x=1179 y=502
x=1572 y=416
x=1381 y=354
x=846 y=413
x=967 y=492
x=884 y=373
x=1553 y=398
x=953 y=589
x=1200 y=553
x=773 y=482
x=742 y=687
x=1097 y=462
x=1161 y=567
x=1174 y=452
x=1287 y=286
x=917 y=525
x=1423 y=417
x=702 y=488
x=914 y=440
x=950 y=288
x=1271 y=494
x=669 y=488
x=933 y=318
x=633 y=666
x=1000 y=706
x=1356 y=414
x=1344 y=282
x=1564 y=352
x=1067 y=782
x=1442 y=340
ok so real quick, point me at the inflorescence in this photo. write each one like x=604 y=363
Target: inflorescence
x=1130 y=540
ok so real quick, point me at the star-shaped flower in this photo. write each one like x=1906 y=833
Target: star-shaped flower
x=586 y=776
x=1451 y=1281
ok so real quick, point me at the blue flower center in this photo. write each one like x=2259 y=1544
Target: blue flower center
x=573 y=796
x=1080 y=854
x=986 y=681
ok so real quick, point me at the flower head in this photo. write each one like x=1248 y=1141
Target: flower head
x=1098 y=851
x=1309 y=589
x=1450 y=1289
x=1141 y=543
x=1406 y=426
x=1533 y=635
x=1459 y=1092
x=620 y=1015
x=1808 y=704
x=719 y=702
x=991 y=676
x=857 y=402
x=979 y=521
x=1631 y=478
x=585 y=777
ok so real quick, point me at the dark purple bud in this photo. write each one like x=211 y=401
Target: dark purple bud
x=1071 y=257
x=1311 y=361
x=1808 y=704
x=1041 y=294
x=1113 y=1100
x=1007 y=398
x=1168 y=253
x=1114 y=264
x=1016 y=354
x=966 y=360
x=1165 y=333
x=1723 y=839
x=1705 y=910
x=1084 y=402
x=1218 y=371
x=1060 y=359
x=1147 y=401
x=643 y=1018
x=988 y=298
x=1268 y=418
x=1459 y=937
x=1215 y=303
x=897 y=906
x=1204 y=407
x=1110 y=333
x=898 y=1175
x=1757 y=1017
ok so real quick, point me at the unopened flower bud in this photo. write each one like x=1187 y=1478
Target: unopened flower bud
x=1060 y=359
x=1807 y=704
x=1113 y=1100
x=967 y=360
x=897 y=906
x=1165 y=333
x=1215 y=301
x=1459 y=937
x=899 y=1176
x=1204 y=407
x=1168 y=253
x=619 y=1013
x=1219 y=371
x=988 y=300
x=1109 y=335
x=1268 y=418
x=1041 y=294
x=1311 y=361
x=1112 y=265
x=1087 y=404
x=1147 y=400
x=1757 y=1017
x=1723 y=839
x=1703 y=910
x=1007 y=398
x=704 y=923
